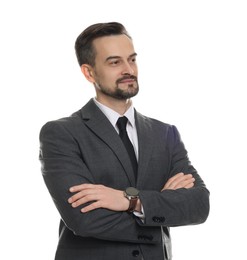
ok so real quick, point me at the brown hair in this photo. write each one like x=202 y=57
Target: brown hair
x=84 y=49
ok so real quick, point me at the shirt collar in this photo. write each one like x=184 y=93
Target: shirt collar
x=113 y=115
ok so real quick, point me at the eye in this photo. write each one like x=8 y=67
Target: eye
x=114 y=62
x=133 y=60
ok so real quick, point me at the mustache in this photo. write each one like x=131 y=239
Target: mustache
x=126 y=77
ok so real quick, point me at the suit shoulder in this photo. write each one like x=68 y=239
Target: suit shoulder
x=158 y=127
x=154 y=121
x=159 y=123
x=62 y=123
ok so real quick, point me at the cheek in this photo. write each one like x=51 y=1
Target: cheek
x=109 y=78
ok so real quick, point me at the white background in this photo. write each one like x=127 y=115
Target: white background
x=192 y=59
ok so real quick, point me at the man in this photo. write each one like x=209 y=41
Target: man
x=117 y=192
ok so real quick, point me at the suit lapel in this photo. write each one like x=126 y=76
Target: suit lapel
x=97 y=122
x=145 y=143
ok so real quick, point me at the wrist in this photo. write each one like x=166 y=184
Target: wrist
x=132 y=195
x=126 y=203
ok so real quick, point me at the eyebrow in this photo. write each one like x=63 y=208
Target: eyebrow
x=119 y=57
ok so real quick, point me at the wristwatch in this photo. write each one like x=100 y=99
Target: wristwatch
x=132 y=194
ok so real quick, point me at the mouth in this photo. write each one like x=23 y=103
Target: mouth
x=128 y=80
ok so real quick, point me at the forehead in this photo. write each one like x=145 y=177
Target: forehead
x=114 y=45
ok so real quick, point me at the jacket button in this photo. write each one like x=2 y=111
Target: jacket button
x=158 y=219
x=135 y=253
x=155 y=219
x=162 y=219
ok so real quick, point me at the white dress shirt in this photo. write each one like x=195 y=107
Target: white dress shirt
x=131 y=126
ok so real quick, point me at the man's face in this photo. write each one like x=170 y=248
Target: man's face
x=115 y=69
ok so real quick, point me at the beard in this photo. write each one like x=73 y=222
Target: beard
x=117 y=92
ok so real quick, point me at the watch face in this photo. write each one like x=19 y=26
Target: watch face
x=131 y=191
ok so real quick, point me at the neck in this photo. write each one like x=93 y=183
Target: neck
x=120 y=106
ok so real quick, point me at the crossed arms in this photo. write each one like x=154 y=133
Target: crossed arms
x=100 y=196
x=99 y=211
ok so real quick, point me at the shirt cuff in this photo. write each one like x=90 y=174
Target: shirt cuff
x=140 y=215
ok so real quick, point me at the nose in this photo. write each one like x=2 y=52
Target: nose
x=128 y=69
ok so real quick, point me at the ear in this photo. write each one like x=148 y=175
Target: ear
x=87 y=72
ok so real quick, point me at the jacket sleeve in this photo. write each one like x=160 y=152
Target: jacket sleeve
x=177 y=207
x=62 y=167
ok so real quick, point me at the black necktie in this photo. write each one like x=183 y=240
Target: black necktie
x=121 y=123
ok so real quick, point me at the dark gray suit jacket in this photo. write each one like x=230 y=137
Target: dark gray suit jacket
x=85 y=148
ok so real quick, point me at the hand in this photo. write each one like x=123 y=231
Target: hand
x=180 y=180
x=99 y=196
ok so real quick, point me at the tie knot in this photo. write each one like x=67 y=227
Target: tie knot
x=122 y=122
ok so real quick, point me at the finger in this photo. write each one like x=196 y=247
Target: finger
x=172 y=179
x=180 y=178
x=83 y=186
x=85 y=199
x=77 y=196
x=83 y=193
x=189 y=185
x=177 y=176
x=185 y=183
x=180 y=182
x=92 y=206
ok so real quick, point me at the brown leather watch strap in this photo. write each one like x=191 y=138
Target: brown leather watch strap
x=132 y=204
